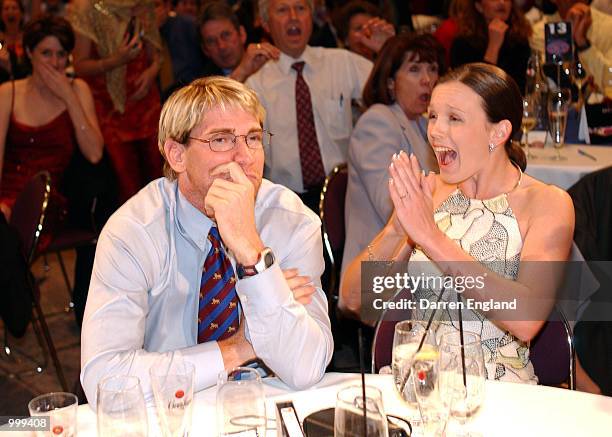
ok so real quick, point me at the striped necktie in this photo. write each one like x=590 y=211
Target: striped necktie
x=218 y=306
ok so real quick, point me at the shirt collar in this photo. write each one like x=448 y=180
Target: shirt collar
x=285 y=61
x=190 y=221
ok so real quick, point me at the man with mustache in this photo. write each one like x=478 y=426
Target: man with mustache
x=191 y=265
x=307 y=94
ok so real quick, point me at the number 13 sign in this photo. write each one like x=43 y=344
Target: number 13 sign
x=558 y=37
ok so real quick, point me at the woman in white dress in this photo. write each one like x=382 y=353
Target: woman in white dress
x=481 y=207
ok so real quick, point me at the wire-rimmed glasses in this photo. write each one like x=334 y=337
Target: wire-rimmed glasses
x=226 y=141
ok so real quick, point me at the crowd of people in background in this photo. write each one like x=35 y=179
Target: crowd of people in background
x=340 y=81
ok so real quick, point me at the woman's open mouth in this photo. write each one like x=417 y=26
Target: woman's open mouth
x=445 y=155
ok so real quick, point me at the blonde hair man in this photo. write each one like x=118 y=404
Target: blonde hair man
x=183 y=264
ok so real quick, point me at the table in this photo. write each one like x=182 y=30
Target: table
x=566 y=173
x=510 y=409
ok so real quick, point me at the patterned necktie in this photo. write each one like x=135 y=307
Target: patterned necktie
x=218 y=308
x=313 y=172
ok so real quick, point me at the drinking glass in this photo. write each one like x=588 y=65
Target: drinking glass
x=579 y=76
x=462 y=376
x=529 y=121
x=434 y=412
x=241 y=403
x=121 y=407
x=349 y=419
x=558 y=105
x=607 y=78
x=61 y=408
x=173 y=392
x=406 y=340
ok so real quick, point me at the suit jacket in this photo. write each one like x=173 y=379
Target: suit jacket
x=380 y=132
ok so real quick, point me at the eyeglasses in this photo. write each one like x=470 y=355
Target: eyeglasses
x=225 y=142
x=225 y=36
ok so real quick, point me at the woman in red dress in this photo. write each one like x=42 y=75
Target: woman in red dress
x=64 y=118
x=117 y=52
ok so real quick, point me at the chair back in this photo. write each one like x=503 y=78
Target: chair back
x=331 y=211
x=382 y=345
x=28 y=214
x=552 y=352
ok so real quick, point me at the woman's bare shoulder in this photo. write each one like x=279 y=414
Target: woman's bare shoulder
x=540 y=196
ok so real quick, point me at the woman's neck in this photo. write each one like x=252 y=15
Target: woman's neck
x=498 y=177
x=35 y=84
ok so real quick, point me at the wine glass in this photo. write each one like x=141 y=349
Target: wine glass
x=241 y=403
x=579 y=76
x=348 y=416
x=607 y=79
x=558 y=105
x=462 y=375
x=528 y=122
x=406 y=340
x=61 y=409
x=172 y=385
x=434 y=412
x=121 y=407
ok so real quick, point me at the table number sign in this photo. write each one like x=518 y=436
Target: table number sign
x=558 y=42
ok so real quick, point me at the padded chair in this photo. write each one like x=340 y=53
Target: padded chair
x=382 y=345
x=552 y=352
x=331 y=211
x=28 y=218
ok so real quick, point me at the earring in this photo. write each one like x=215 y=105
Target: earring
x=491 y=147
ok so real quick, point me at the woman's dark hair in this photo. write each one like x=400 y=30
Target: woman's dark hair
x=350 y=9
x=48 y=25
x=422 y=48
x=472 y=23
x=501 y=100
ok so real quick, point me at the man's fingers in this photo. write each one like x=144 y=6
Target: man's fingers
x=290 y=273
x=234 y=170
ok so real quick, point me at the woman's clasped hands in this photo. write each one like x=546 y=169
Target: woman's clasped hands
x=412 y=195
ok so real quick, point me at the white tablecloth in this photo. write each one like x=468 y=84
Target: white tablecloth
x=566 y=173
x=510 y=409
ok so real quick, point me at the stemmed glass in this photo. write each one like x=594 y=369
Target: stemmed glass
x=121 y=407
x=607 y=77
x=462 y=376
x=434 y=412
x=61 y=409
x=528 y=122
x=579 y=76
x=241 y=403
x=406 y=340
x=173 y=392
x=558 y=105
x=348 y=416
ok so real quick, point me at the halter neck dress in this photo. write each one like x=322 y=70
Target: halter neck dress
x=489 y=232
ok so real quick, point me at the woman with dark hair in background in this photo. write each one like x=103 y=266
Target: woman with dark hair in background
x=12 y=55
x=480 y=217
x=396 y=94
x=496 y=32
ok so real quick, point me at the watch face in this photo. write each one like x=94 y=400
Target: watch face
x=269 y=258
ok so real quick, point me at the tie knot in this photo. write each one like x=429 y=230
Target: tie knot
x=298 y=66
x=214 y=237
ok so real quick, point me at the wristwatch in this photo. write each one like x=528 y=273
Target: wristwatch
x=265 y=259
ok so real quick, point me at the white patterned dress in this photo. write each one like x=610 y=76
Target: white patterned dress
x=488 y=231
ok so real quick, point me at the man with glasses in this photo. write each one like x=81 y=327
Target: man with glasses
x=223 y=40
x=193 y=264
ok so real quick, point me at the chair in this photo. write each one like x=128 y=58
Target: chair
x=382 y=345
x=331 y=211
x=28 y=218
x=552 y=352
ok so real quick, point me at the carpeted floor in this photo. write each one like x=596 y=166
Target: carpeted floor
x=19 y=379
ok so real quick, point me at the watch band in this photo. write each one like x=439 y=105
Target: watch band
x=264 y=260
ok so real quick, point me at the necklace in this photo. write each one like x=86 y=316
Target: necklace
x=516 y=185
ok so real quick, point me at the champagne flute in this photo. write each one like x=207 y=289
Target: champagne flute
x=528 y=122
x=607 y=78
x=407 y=337
x=434 y=412
x=558 y=105
x=579 y=76
x=462 y=376
x=121 y=407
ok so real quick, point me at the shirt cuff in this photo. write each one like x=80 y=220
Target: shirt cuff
x=264 y=292
x=208 y=362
